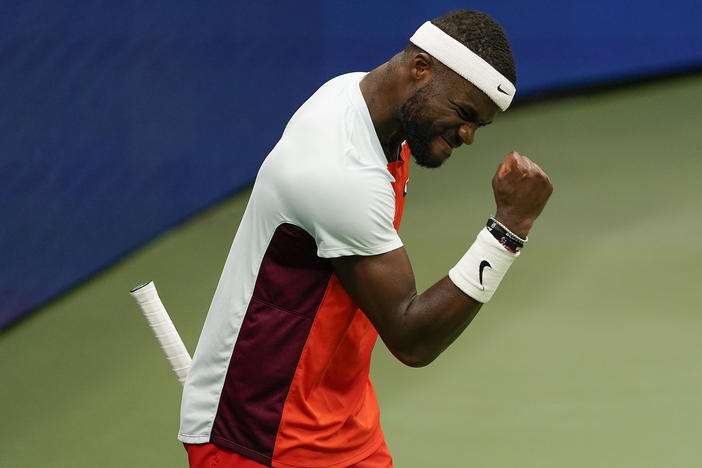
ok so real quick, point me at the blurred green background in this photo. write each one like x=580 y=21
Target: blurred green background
x=587 y=356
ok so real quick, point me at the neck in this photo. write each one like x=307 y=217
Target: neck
x=383 y=95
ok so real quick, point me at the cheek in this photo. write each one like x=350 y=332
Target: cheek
x=437 y=146
x=440 y=145
x=440 y=121
x=431 y=125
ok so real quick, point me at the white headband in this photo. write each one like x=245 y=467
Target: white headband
x=465 y=62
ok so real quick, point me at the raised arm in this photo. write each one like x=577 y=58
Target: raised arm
x=416 y=328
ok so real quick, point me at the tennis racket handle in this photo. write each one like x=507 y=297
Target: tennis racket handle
x=162 y=326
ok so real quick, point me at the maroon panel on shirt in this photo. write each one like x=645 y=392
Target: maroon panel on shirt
x=289 y=289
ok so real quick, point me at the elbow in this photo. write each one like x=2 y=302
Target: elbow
x=413 y=350
x=415 y=358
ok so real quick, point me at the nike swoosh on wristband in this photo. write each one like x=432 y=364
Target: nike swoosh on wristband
x=482 y=266
x=499 y=88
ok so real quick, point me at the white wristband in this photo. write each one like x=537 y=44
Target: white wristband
x=481 y=269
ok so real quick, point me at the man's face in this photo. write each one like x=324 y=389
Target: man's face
x=442 y=115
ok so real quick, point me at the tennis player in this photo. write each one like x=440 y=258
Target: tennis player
x=317 y=270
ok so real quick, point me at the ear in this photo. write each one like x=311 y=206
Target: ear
x=421 y=67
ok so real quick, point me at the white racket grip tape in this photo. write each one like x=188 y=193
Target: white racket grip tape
x=162 y=326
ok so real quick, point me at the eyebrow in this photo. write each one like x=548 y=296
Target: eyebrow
x=470 y=113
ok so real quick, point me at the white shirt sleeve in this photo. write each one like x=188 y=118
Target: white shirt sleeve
x=348 y=211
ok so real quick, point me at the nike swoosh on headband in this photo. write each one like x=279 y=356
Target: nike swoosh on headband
x=465 y=62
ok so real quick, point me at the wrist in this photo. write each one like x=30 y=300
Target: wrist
x=519 y=227
x=508 y=239
x=479 y=272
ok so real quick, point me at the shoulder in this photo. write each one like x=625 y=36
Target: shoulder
x=326 y=114
x=347 y=207
x=328 y=175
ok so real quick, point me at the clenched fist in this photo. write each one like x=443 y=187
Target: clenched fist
x=521 y=190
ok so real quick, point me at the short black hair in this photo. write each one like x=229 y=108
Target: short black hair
x=483 y=35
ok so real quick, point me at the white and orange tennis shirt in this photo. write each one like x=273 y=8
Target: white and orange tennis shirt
x=281 y=370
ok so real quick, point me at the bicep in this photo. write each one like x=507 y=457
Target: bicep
x=382 y=286
x=415 y=328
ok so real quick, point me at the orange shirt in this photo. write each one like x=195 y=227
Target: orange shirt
x=331 y=415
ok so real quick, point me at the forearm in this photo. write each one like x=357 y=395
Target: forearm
x=431 y=322
x=418 y=327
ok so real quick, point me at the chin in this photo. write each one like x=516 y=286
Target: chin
x=425 y=152
x=430 y=161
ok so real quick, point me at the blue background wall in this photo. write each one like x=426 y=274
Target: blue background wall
x=121 y=119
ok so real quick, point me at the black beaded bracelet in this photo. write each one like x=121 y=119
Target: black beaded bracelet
x=504 y=236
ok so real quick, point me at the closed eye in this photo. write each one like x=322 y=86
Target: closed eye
x=469 y=114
